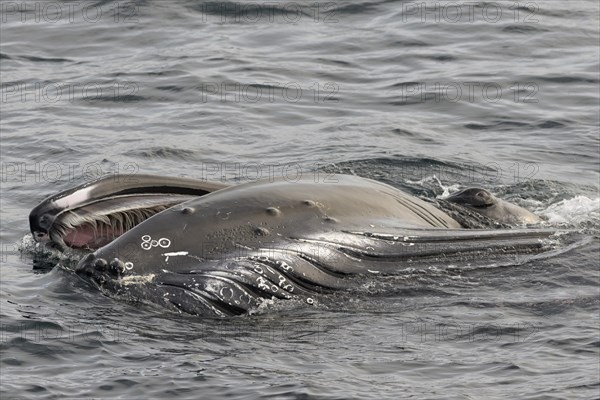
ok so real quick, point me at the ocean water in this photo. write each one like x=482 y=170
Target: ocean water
x=427 y=96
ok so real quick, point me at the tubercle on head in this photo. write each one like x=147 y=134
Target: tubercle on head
x=100 y=269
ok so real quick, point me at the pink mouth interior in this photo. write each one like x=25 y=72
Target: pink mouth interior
x=87 y=237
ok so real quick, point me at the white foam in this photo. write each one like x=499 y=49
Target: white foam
x=433 y=178
x=575 y=210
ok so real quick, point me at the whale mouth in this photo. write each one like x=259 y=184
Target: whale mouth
x=96 y=224
x=95 y=213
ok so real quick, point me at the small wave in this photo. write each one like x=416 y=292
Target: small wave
x=525 y=29
x=165 y=153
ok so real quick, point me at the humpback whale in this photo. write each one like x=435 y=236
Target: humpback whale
x=207 y=248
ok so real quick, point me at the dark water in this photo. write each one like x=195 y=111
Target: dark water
x=503 y=95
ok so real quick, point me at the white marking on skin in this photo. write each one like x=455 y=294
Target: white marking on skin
x=174 y=254
x=137 y=279
x=284 y=285
x=262 y=283
x=286 y=267
x=75 y=198
x=148 y=242
x=373 y=271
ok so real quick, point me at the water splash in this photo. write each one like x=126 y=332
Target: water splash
x=579 y=209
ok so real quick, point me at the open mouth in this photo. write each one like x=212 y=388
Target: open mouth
x=95 y=213
x=94 y=225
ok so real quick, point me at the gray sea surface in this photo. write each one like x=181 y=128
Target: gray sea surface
x=429 y=97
